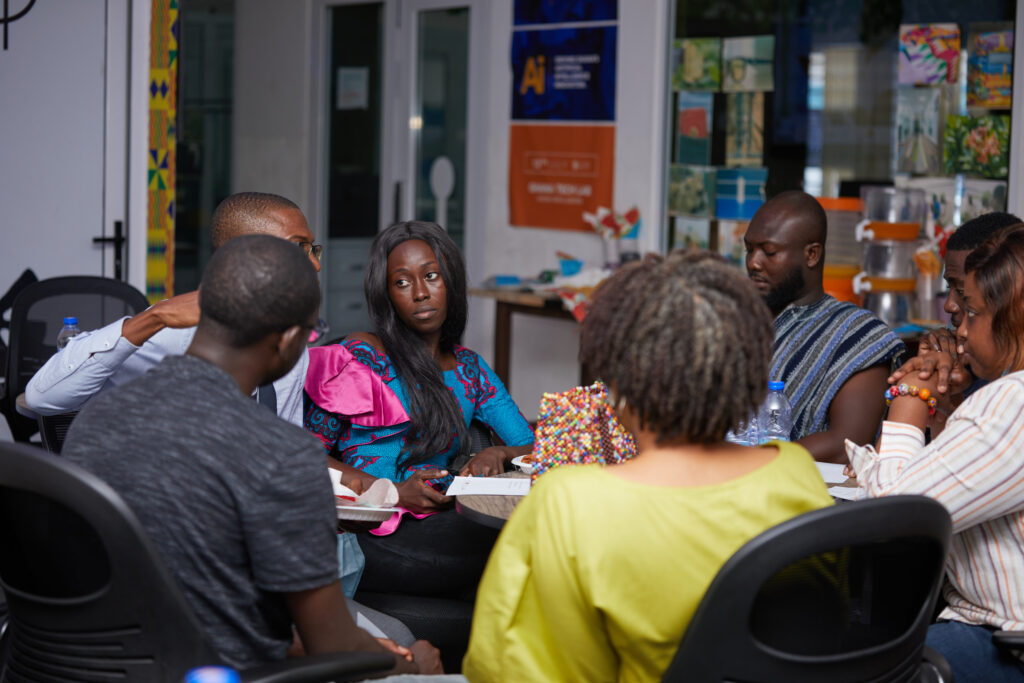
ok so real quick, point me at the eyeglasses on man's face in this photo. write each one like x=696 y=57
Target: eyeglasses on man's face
x=316 y=250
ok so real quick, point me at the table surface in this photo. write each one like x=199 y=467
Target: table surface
x=521 y=297
x=23 y=409
x=510 y=300
x=492 y=511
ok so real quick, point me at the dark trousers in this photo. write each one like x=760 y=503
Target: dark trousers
x=425 y=575
x=441 y=556
x=971 y=653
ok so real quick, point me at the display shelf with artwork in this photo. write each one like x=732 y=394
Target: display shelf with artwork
x=824 y=99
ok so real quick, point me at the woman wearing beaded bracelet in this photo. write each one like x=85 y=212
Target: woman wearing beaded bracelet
x=974 y=466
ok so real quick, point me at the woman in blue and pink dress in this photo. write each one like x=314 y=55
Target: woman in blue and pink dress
x=397 y=403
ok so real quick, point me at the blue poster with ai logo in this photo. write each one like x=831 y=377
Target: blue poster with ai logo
x=564 y=74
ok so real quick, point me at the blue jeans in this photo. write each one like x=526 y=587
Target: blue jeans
x=971 y=654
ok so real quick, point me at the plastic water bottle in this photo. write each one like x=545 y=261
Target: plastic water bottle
x=212 y=674
x=746 y=432
x=69 y=330
x=775 y=419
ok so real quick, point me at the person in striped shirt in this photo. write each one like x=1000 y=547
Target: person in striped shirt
x=833 y=356
x=974 y=464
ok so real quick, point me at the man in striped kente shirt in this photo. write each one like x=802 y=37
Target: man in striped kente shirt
x=833 y=356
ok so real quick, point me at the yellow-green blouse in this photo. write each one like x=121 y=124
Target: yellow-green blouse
x=595 y=578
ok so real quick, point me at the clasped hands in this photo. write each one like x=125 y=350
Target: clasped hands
x=938 y=368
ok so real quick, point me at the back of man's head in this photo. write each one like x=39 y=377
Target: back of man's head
x=971 y=234
x=246 y=213
x=255 y=285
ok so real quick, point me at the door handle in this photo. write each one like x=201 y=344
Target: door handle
x=118 y=241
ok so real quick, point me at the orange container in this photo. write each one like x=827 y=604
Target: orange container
x=900 y=232
x=887 y=284
x=838 y=282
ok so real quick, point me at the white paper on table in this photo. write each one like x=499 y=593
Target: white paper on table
x=831 y=472
x=489 y=486
x=844 y=492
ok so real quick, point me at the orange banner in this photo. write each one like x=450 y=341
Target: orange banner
x=558 y=172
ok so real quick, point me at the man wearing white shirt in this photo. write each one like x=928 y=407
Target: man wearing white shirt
x=127 y=348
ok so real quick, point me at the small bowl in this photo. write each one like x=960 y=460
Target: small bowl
x=569 y=266
x=524 y=467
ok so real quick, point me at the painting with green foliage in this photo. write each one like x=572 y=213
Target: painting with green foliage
x=977 y=146
x=697 y=64
x=691 y=190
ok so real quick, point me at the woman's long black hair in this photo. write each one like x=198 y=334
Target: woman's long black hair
x=433 y=409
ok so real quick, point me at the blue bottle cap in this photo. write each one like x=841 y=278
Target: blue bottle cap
x=212 y=674
x=71 y=320
x=776 y=386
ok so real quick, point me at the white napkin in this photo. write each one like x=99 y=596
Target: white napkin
x=844 y=492
x=831 y=472
x=381 y=494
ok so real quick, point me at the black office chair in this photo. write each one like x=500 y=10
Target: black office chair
x=840 y=594
x=89 y=598
x=37 y=317
x=6 y=301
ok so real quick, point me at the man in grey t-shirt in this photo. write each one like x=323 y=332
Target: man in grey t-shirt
x=239 y=506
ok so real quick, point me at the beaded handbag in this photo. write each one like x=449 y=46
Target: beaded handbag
x=579 y=427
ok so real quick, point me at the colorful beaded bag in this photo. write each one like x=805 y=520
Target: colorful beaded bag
x=579 y=427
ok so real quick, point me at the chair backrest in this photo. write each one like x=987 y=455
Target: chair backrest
x=53 y=429
x=37 y=317
x=24 y=280
x=845 y=593
x=87 y=593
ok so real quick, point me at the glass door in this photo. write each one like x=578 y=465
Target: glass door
x=352 y=178
x=391 y=133
x=439 y=107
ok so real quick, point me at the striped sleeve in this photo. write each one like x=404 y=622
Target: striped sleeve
x=973 y=467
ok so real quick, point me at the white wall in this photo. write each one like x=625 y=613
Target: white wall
x=271 y=151
x=272 y=95
x=63 y=180
x=544 y=350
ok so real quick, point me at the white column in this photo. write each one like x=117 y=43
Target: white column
x=1015 y=185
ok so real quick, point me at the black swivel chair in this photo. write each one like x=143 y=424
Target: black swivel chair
x=36 y=318
x=6 y=301
x=89 y=598
x=841 y=594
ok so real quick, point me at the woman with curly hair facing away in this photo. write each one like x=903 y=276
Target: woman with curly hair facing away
x=599 y=570
x=396 y=404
